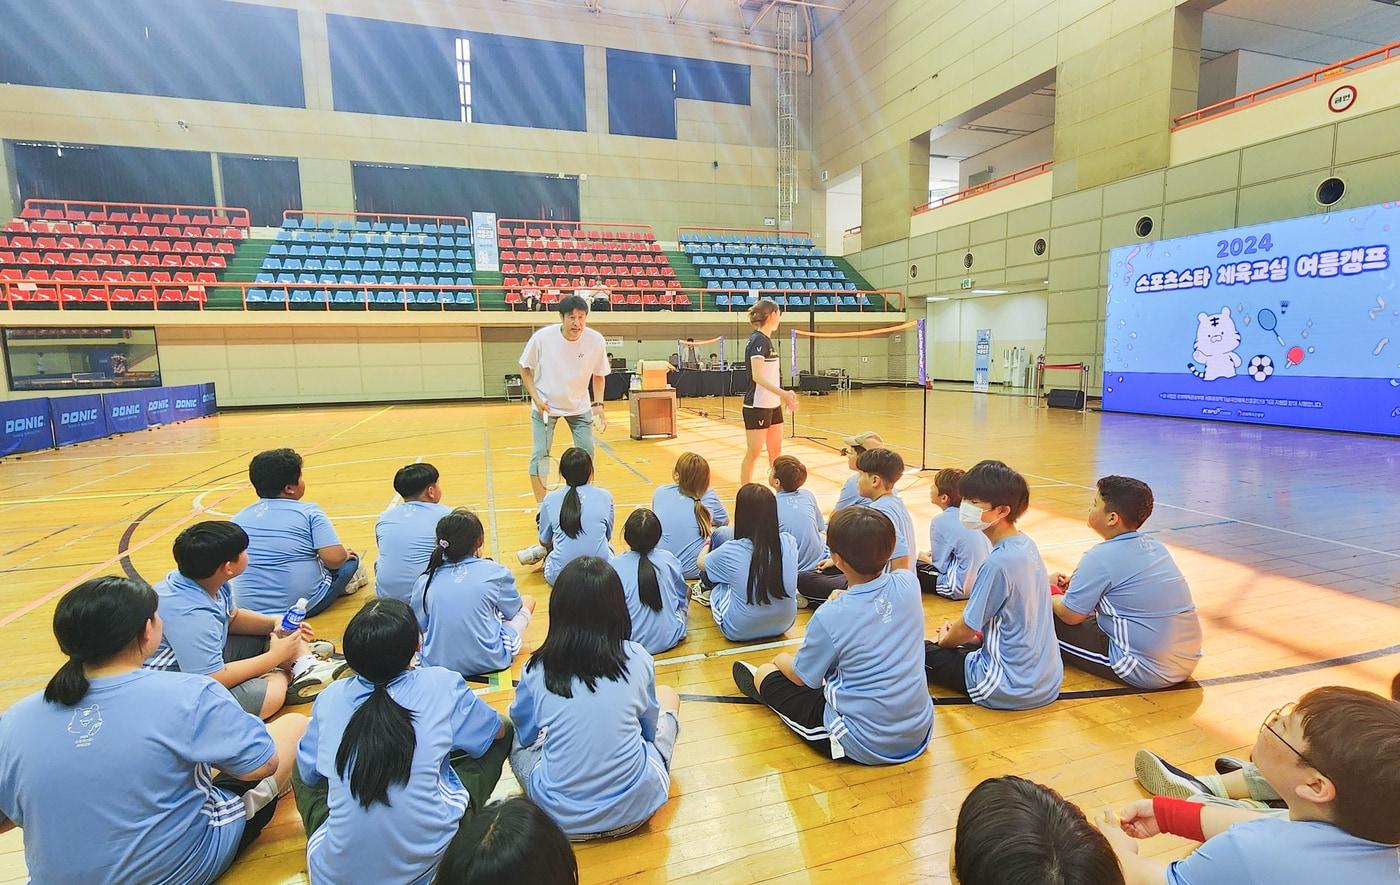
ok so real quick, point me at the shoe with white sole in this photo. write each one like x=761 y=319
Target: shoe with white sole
x=309 y=680
x=321 y=648
x=700 y=595
x=531 y=555
x=1160 y=778
x=744 y=679
x=357 y=583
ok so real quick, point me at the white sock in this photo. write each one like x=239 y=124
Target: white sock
x=302 y=664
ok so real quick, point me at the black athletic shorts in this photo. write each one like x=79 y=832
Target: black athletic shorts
x=757 y=419
x=802 y=709
x=252 y=825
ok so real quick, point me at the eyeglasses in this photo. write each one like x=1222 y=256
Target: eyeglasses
x=1275 y=717
x=853 y=450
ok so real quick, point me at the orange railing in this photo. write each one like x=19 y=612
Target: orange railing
x=18 y=295
x=509 y=227
x=371 y=216
x=237 y=217
x=995 y=183
x=850 y=231
x=1275 y=90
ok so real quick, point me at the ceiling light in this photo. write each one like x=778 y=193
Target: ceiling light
x=990 y=291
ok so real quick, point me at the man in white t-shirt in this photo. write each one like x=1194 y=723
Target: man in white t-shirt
x=559 y=367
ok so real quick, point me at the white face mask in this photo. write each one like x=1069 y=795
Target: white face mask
x=970 y=515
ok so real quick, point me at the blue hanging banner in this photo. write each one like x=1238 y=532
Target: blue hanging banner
x=208 y=400
x=160 y=406
x=77 y=418
x=185 y=402
x=27 y=426
x=126 y=411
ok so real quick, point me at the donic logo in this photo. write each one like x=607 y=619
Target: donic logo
x=186 y=404
x=24 y=425
x=77 y=417
x=126 y=411
x=157 y=404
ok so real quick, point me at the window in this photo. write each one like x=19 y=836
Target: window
x=464 y=77
x=81 y=359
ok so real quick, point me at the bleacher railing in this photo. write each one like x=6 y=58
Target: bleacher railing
x=576 y=226
x=373 y=216
x=238 y=217
x=1275 y=90
x=1010 y=178
x=767 y=232
x=17 y=295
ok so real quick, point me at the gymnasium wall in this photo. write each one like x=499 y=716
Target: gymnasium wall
x=1255 y=165
x=719 y=170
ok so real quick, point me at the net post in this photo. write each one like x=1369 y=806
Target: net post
x=921 y=351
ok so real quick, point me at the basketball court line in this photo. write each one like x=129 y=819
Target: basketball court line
x=124 y=553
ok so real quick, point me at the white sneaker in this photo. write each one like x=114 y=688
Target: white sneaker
x=310 y=681
x=357 y=583
x=700 y=595
x=531 y=555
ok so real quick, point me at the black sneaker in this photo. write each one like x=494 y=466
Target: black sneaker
x=744 y=679
x=1227 y=764
x=1160 y=778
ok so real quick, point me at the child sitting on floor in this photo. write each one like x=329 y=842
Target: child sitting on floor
x=512 y=841
x=574 y=521
x=753 y=578
x=595 y=733
x=856 y=685
x=1334 y=757
x=956 y=552
x=689 y=511
x=658 y=599
x=1126 y=613
x=404 y=532
x=470 y=611
x=396 y=761
x=1016 y=664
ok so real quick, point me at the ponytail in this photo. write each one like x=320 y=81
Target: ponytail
x=94 y=622
x=379 y=740
x=377 y=747
x=69 y=685
x=642 y=532
x=576 y=467
x=693 y=479
x=459 y=535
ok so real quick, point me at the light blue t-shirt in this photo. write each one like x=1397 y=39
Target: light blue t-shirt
x=402 y=841
x=463 y=614
x=1273 y=850
x=799 y=516
x=850 y=494
x=1018 y=666
x=957 y=552
x=194 y=626
x=406 y=535
x=656 y=631
x=119 y=789
x=904 y=538
x=727 y=567
x=1144 y=606
x=283 y=537
x=680 y=534
x=598 y=769
x=594 y=536
x=865 y=651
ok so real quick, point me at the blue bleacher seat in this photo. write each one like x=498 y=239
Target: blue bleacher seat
x=353 y=264
x=289 y=222
x=264 y=278
x=376 y=252
x=277 y=249
x=396 y=228
x=317 y=251
x=277 y=296
x=389 y=266
x=336 y=251
x=362 y=226
x=371 y=264
x=348 y=278
x=379 y=227
x=286 y=278
x=465 y=297
x=301 y=296
x=393 y=252
x=257 y=295
x=332 y=264
x=272 y=264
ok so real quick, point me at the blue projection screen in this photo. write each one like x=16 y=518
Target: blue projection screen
x=1294 y=323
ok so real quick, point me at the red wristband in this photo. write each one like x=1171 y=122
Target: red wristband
x=1180 y=817
x=1056 y=590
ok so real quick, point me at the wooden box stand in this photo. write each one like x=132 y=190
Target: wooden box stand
x=653 y=413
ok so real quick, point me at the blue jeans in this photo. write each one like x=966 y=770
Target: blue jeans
x=340 y=579
x=542 y=438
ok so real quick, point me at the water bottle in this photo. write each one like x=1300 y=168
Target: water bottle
x=291 y=621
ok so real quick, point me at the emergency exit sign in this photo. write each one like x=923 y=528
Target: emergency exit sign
x=967 y=282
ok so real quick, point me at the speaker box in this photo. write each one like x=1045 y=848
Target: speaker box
x=1060 y=398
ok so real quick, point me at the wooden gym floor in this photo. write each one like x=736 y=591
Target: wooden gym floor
x=1288 y=538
